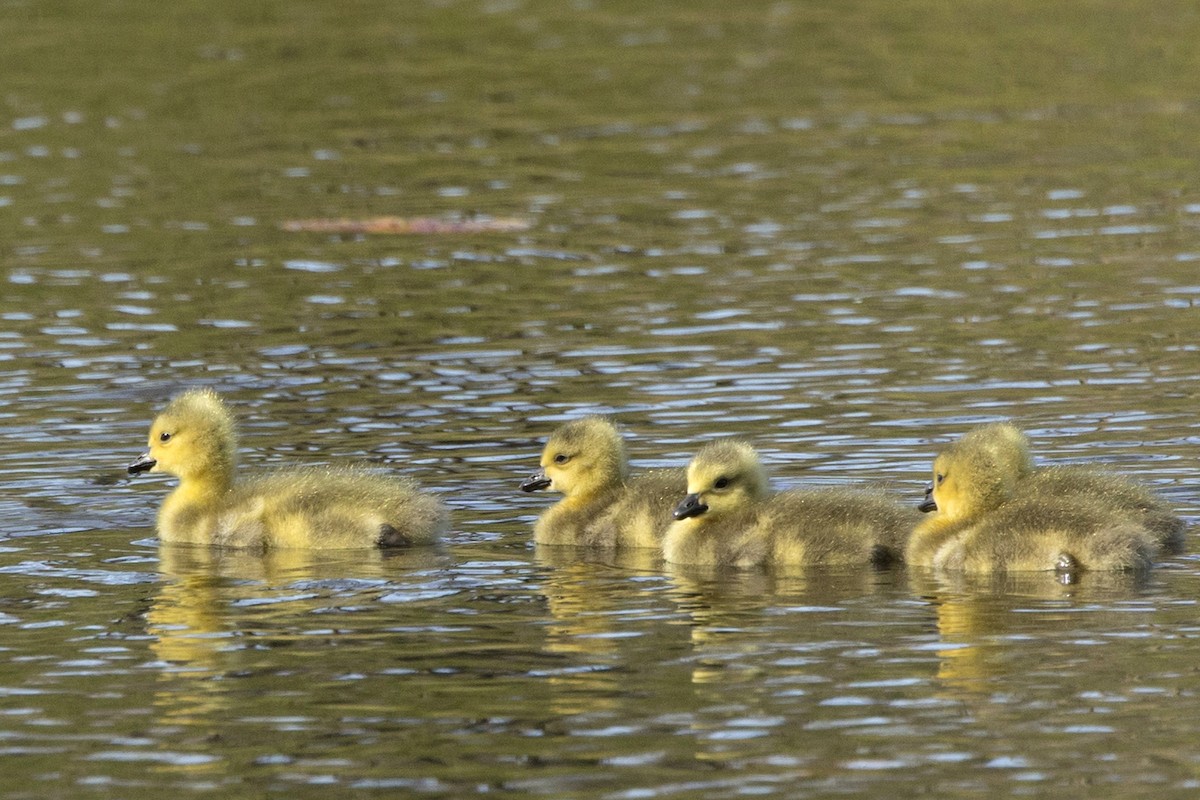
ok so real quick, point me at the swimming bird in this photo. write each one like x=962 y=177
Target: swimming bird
x=194 y=439
x=996 y=511
x=587 y=461
x=730 y=518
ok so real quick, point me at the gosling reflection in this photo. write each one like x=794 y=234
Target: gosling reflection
x=597 y=612
x=195 y=641
x=976 y=616
x=764 y=641
x=725 y=610
x=212 y=606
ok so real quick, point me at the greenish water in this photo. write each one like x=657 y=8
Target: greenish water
x=844 y=230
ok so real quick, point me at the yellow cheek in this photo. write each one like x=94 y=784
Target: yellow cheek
x=945 y=500
x=559 y=480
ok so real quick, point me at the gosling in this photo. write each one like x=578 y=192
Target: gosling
x=586 y=460
x=194 y=439
x=730 y=518
x=997 y=512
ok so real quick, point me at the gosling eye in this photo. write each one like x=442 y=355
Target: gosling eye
x=939 y=478
x=561 y=458
x=721 y=483
x=164 y=437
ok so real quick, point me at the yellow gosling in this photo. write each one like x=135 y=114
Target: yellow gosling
x=995 y=512
x=322 y=507
x=602 y=506
x=730 y=518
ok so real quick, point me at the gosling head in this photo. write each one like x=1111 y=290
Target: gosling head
x=582 y=456
x=723 y=477
x=979 y=471
x=192 y=437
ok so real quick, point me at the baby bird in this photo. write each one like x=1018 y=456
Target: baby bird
x=324 y=507
x=586 y=461
x=730 y=518
x=996 y=512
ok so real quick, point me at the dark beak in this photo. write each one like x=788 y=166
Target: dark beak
x=533 y=483
x=690 y=506
x=928 y=505
x=143 y=463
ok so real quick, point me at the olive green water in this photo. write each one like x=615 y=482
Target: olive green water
x=845 y=230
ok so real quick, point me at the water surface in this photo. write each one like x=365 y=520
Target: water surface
x=845 y=231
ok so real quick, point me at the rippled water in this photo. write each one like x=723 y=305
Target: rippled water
x=847 y=231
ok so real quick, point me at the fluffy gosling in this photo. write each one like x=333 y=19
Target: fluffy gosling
x=996 y=512
x=602 y=506
x=194 y=439
x=730 y=518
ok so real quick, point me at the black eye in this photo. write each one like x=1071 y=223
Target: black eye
x=164 y=437
x=561 y=458
x=939 y=478
x=721 y=483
